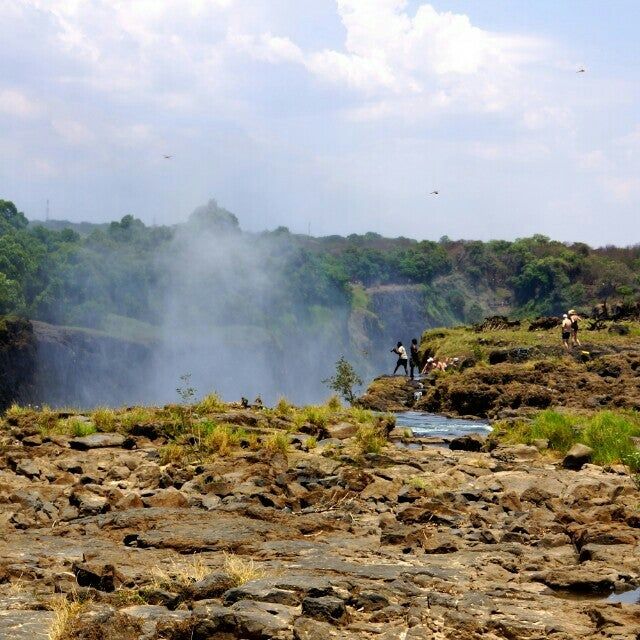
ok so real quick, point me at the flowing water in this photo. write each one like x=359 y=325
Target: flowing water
x=430 y=424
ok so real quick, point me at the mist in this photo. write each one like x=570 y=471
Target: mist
x=230 y=321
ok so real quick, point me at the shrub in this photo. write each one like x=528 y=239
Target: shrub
x=222 y=438
x=317 y=415
x=277 y=442
x=104 y=419
x=370 y=438
x=333 y=404
x=172 y=453
x=284 y=408
x=211 y=403
x=47 y=419
x=79 y=428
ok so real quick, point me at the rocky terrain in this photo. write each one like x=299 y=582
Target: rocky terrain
x=303 y=525
x=507 y=370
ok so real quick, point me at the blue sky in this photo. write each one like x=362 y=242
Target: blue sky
x=339 y=114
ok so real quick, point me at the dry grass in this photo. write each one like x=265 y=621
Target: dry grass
x=211 y=403
x=64 y=613
x=370 y=439
x=181 y=574
x=104 y=419
x=277 y=442
x=173 y=453
x=241 y=570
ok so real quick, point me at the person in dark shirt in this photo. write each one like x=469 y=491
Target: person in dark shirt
x=414 y=360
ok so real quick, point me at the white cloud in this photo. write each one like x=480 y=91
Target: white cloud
x=16 y=104
x=73 y=132
x=266 y=47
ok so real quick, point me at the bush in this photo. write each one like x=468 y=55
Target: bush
x=277 y=443
x=79 y=428
x=222 y=438
x=211 y=403
x=104 y=419
x=284 y=408
x=370 y=439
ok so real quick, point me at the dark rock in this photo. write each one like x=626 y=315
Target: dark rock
x=96 y=576
x=369 y=601
x=467 y=443
x=327 y=608
x=213 y=586
x=577 y=457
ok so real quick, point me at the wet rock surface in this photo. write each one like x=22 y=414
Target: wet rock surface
x=325 y=543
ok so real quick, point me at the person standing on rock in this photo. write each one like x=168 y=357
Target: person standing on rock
x=402 y=358
x=414 y=360
x=574 y=317
x=566 y=331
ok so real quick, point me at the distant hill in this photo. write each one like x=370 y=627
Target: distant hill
x=82 y=228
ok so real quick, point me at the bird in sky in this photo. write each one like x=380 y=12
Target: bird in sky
x=581 y=70
x=167 y=157
x=434 y=193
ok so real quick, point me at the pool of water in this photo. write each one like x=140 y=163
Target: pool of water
x=429 y=424
x=629 y=597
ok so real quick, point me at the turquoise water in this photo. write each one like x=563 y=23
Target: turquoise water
x=429 y=424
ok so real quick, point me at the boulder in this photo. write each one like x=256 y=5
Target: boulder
x=326 y=608
x=96 y=441
x=342 y=430
x=577 y=457
x=470 y=442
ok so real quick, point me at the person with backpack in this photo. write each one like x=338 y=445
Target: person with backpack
x=414 y=360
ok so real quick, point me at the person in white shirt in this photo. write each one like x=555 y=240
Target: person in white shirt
x=402 y=358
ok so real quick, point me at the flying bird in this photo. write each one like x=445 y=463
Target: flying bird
x=167 y=157
x=581 y=70
x=434 y=193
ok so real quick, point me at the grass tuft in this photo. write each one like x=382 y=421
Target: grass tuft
x=277 y=443
x=608 y=433
x=64 y=613
x=104 y=419
x=370 y=438
x=240 y=570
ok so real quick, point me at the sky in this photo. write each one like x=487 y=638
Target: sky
x=338 y=116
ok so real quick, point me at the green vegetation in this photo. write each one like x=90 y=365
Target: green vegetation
x=370 y=438
x=344 y=380
x=608 y=433
x=112 y=276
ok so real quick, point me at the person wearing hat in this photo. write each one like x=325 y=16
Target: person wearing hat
x=428 y=366
x=566 y=331
x=574 y=317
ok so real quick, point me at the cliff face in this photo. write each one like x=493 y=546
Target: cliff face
x=17 y=361
x=59 y=366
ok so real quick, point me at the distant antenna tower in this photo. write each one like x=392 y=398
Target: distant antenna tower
x=47 y=211
x=309 y=229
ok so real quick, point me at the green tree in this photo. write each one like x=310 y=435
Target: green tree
x=344 y=380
